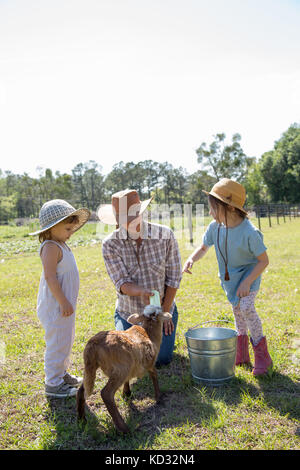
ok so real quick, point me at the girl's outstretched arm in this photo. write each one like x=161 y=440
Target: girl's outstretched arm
x=198 y=254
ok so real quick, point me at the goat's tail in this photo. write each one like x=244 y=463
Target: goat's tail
x=90 y=368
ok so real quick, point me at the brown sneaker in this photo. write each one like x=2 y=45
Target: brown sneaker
x=72 y=380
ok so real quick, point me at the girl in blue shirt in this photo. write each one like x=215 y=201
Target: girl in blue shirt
x=242 y=258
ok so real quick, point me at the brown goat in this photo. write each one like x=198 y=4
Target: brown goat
x=122 y=355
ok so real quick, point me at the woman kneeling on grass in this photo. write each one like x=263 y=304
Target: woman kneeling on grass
x=58 y=291
x=242 y=258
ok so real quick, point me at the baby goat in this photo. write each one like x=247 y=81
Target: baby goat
x=122 y=355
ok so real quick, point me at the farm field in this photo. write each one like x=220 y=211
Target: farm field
x=244 y=414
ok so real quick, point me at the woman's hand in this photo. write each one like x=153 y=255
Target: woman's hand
x=188 y=266
x=244 y=289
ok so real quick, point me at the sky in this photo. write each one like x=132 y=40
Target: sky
x=112 y=80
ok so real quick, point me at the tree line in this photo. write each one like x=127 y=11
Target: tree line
x=273 y=178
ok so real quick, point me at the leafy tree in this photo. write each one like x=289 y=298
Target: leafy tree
x=280 y=167
x=10 y=183
x=93 y=181
x=78 y=184
x=256 y=189
x=126 y=175
x=175 y=184
x=7 y=208
x=224 y=161
x=63 y=186
x=151 y=176
x=87 y=184
x=196 y=183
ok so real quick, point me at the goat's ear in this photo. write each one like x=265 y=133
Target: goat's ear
x=166 y=316
x=134 y=318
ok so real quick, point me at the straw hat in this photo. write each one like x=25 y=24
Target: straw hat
x=125 y=207
x=55 y=211
x=230 y=192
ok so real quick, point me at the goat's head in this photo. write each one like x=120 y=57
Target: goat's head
x=151 y=314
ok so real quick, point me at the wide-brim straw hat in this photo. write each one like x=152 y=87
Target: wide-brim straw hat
x=230 y=192
x=125 y=207
x=55 y=211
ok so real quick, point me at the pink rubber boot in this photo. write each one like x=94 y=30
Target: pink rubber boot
x=262 y=360
x=242 y=351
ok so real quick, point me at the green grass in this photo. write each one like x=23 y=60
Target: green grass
x=246 y=413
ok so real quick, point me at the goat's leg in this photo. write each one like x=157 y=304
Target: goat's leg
x=153 y=375
x=126 y=390
x=108 y=396
x=80 y=400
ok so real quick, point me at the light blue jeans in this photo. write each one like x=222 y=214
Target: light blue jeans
x=167 y=345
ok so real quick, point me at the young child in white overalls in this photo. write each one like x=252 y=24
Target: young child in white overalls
x=58 y=291
x=242 y=258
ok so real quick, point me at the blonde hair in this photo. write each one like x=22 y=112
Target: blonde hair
x=73 y=219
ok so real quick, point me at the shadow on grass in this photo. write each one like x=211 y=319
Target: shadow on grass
x=278 y=392
x=281 y=393
x=70 y=434
x=183 y=403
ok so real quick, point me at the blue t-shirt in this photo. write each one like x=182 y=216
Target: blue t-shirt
x=244 y=244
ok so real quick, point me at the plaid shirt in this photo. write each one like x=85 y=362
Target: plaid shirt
x=156 y=265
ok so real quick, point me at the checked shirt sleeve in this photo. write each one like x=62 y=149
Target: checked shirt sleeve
x=173 y=263
x=115 y=267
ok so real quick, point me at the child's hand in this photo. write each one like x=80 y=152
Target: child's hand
x=66 y=308
x=243 y=289
x=187 y=266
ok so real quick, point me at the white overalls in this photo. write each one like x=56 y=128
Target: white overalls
x=59 y=330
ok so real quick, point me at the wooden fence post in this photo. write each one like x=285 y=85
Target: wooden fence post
x=258 y=215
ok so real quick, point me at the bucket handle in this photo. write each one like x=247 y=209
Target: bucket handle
x=211 y=321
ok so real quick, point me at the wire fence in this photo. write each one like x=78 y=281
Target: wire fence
x=275 y=213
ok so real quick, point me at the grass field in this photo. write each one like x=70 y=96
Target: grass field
x=246 y=413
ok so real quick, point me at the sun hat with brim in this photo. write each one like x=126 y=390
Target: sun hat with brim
x=230 y=192
x=125 y=207
x=55 y=211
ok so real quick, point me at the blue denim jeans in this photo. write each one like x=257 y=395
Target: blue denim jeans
x=167 y=345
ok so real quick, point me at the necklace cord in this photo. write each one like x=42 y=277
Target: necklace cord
x=225 y=259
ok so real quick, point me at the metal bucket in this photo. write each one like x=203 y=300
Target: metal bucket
x=212 y=353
